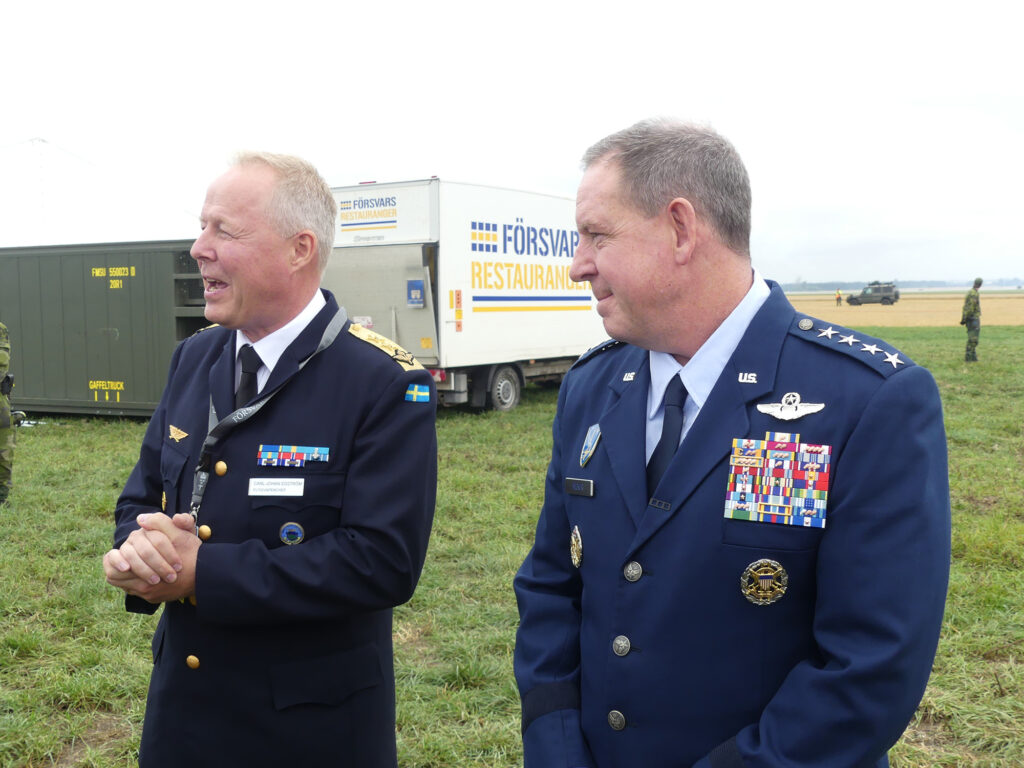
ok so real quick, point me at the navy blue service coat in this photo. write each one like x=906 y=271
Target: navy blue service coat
x=649 y=653
x=290 y=643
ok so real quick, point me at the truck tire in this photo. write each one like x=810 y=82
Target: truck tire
x=505 y=390
x=886 y=301
x=853 y=302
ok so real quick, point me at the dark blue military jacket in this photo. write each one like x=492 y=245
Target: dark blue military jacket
x=291 y=627
x=686 y=637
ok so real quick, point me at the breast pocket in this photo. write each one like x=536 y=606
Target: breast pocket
x=314 y=509
x=770 y=536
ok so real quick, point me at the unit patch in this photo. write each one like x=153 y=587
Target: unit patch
x=778 y=480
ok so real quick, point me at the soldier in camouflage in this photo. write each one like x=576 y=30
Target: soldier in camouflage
x=972 y=319
x=6 y=426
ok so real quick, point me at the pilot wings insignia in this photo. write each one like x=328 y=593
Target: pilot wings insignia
x=790 y=408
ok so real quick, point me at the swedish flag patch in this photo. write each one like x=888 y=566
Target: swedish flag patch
x=417 y=393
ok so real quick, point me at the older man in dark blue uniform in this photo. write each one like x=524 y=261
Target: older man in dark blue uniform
x=280 y=523
x=743 y=552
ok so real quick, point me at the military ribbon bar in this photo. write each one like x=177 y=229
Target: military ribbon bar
x=291 y=455
x=778 y=480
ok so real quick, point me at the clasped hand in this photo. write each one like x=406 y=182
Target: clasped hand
x=157 y=562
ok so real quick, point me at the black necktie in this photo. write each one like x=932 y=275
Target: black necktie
x=671 y=428
x=247 y=383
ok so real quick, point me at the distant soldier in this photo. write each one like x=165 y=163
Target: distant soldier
x=839 y=298
x=972 y=319
x=6 y=426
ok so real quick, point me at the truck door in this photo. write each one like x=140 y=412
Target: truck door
x=391 y=289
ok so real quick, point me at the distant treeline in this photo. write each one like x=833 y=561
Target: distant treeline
x=904 y=285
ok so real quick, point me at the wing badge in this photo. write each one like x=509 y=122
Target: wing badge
x=790 y=408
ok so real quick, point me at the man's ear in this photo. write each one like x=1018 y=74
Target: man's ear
x=684 y=225
x=304 y=249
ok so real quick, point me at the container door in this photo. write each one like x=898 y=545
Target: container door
x=390 y=289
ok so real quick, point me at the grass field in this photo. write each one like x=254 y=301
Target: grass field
x=74 y=666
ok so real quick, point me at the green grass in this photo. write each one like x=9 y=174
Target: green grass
x=74 y=666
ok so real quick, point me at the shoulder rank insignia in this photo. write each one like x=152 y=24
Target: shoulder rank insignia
x=383 y=343
x=177 y=435
x=790 y=408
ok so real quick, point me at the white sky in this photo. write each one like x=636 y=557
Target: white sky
x=885 y=140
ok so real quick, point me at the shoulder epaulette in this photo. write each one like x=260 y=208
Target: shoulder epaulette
x=386 y=345
x=871 y=351
x=206 y=328
x=593 y=352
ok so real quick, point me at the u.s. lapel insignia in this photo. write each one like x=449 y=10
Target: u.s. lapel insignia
x=764 y=582
x=790 y=408
x=576 y=546
x=177 y=434
x=629 y=376
x=590 y=443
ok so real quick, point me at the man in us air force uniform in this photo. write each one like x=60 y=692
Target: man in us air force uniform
x=743 y=552
x=282 y=500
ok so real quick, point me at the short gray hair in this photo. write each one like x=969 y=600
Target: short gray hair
x=302 y=199
x=661 y=160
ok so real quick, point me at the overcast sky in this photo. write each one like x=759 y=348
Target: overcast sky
x=883 y=140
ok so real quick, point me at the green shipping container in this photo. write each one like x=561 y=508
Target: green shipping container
x=93 y=326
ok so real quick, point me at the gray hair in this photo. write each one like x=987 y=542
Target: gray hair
x=302 y=199
x=661 y=160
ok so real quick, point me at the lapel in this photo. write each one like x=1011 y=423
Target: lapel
x=623 y=427
x=222 y=380
x=724 y=414
x=303 y=346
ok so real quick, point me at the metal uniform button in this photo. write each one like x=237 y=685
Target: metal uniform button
x=192 y=661
x=621 y=645
x=616 y=720
x=633 y=571
x=221 y=468
x=205 y=532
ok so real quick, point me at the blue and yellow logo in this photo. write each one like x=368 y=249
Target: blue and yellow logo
x=417 y=393
x=484 y=236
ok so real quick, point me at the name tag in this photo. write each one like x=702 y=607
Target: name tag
x=576 y=486
x=272 y=486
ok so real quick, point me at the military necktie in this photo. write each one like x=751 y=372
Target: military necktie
x=671 y=428
x=247 y=383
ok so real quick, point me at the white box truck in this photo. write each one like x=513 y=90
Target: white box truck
x=472 y=280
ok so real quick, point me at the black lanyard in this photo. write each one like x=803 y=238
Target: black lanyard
x=218 y=430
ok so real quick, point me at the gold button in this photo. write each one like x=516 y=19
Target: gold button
x=192 y=661
x=192 y=599
x=205 y=532
x=221 y=468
